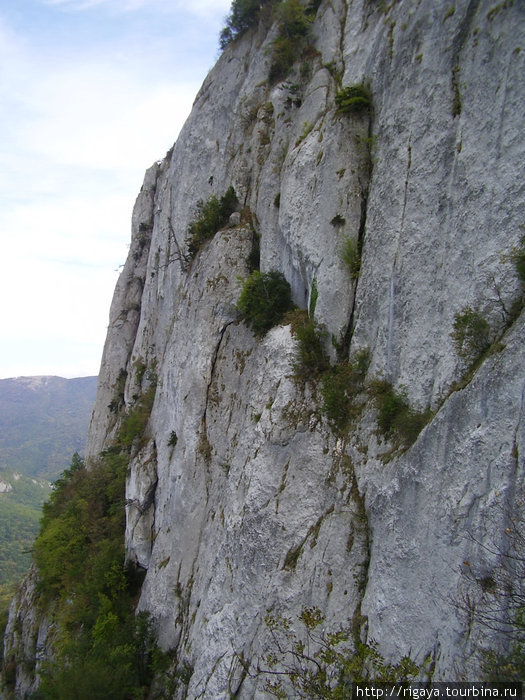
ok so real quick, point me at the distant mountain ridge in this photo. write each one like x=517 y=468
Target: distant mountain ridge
x=43 y=421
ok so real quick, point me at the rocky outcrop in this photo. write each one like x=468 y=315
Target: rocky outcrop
x=26 y=639
x=243 y=499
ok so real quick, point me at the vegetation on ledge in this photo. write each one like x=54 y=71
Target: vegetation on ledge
x=211 y=216
x=354 y=99
x=344 y=384
x=265 y=298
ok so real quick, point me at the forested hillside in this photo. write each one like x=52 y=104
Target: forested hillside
x=43 y=421
x=21 y=499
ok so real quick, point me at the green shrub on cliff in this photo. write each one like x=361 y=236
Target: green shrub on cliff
x=396 y=419
x=518 y=258
x=265 y=298
x=351 y=255
x=470 y=335
x=311 y=359
x=211 y=216
x=354 y=99
x=340 y=387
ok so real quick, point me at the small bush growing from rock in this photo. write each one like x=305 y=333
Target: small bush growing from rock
x=314 y=296
x=338 y=220
x=293 y=19
x=117 y=402
x=340 y=386
x=354 y=99
x=311 y=358
x=518 y=258
x=134 y=423
x=471 y=334
x=396 y=418
x=211 y=216
x=284 y=54
x=352 y=257
x=265 y=298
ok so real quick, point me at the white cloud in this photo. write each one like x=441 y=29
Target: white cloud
x=100 y=116
x=80 y=125
x=63 y=262
x=199 y=7
x=78 y=4
x=101 y=108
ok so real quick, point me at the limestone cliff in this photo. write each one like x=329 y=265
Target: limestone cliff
x=258 y=504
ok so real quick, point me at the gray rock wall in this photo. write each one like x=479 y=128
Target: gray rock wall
x=259 y=505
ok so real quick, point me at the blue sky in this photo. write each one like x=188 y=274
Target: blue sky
x=92 y=92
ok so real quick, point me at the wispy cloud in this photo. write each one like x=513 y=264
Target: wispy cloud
x=199 y=7
x=100 y=116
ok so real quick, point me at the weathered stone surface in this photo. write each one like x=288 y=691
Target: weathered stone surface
x=447 y=501
x=26 y=637
x=259 y=506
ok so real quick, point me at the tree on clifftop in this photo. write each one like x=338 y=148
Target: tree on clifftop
x=243 y=15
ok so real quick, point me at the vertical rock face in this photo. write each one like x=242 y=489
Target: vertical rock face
x=243 y=499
